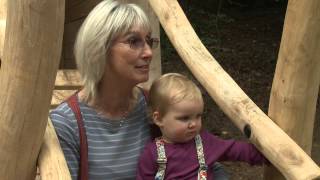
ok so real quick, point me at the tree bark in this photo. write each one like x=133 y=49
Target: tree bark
x=273 y=142
x=32 y=50
x=297 y=77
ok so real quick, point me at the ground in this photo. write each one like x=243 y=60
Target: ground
x=245 y=41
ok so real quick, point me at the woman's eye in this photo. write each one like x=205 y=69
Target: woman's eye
x=135 y=42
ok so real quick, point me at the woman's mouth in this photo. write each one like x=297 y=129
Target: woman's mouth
x=143 y=68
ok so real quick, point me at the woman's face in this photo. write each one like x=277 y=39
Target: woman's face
x=130 y=57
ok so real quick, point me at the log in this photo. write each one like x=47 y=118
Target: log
x=296 y=82
x=32 y=49
x=51 y=159
x=273 y=142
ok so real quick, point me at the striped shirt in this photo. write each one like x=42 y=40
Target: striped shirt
x=113 y=146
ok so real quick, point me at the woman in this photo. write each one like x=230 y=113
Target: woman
x=113 y=54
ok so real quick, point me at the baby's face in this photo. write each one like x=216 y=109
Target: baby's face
x=182 y=122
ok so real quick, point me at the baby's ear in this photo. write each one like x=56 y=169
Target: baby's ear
x=157 y=118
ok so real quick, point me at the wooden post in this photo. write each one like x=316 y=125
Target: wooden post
x=32 y=50
x=297 y=77
x=274 y=143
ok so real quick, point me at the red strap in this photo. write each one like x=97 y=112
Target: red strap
x=146 y=94
x=83 y=170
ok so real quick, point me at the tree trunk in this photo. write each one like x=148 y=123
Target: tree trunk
x=274 y=143
x=32 y=50
x=297 y=77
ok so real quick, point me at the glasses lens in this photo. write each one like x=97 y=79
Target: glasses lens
x=153 y=42
x=136 y=43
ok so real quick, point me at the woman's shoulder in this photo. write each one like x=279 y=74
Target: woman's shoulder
x=62 y=117
x=63 y=111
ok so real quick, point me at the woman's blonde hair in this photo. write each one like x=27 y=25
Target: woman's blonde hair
x=105 y=23
x=169 y=89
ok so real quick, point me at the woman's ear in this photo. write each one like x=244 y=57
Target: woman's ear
x=157 y=118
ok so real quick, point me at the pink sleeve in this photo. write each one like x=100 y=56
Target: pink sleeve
x=231 y=150
x=246 y=152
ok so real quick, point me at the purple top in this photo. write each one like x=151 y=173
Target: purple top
x=182 y=160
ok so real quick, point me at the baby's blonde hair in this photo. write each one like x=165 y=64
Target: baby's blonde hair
x=169 y=89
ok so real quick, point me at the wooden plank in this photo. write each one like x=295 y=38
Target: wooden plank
x=32 y=50
x=272 y=141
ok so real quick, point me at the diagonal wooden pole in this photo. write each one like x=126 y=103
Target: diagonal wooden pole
x=274 y=143
x=32 y=51
x=297 y=77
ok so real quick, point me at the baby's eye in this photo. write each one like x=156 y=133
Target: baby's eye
x=183 y=118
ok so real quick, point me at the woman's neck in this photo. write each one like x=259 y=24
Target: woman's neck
x=114 y=100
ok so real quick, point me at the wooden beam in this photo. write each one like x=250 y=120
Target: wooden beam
x=32 y=49
x=274 y=143
x=297 y=77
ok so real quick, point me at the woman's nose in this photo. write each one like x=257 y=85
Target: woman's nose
x=146 y=52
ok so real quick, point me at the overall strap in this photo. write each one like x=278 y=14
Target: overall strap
x=202 y=172
x=162 y=159
x=83 y=169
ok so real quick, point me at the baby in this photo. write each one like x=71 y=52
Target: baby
x=185 y=150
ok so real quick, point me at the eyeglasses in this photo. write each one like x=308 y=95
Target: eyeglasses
x=139 y=43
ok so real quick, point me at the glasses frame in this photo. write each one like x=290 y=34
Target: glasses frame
x=139 y=43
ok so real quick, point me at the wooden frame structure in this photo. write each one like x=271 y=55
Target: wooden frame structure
x=20 y=76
